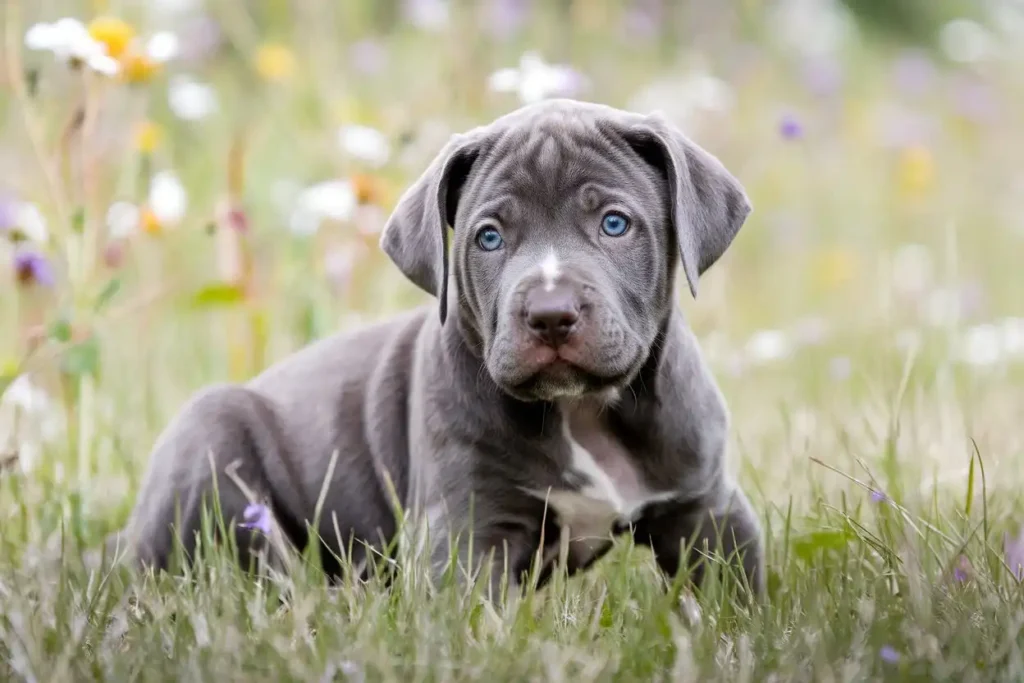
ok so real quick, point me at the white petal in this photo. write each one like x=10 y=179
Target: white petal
x=768 y=345
x=334 y=199
x=108 y=66
x=41 y=37
x=981 y=345
x=163 y=46
x=22 y=394
x=122 y=220
x=167 y=198
x=191 y=100
x=31 y=223
x=504 y=80
x=364 y=143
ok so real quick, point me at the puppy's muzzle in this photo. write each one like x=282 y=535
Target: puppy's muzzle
x=552 y=313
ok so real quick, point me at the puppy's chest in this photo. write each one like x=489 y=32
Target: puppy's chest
x=602 y=487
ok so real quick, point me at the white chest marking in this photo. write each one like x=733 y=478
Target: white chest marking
x=551 y=270
x=613 y=493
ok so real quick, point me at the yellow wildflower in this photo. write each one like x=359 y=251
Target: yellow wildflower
x=274 y=62
x=148 y=136
x=10 y=367
x=149 y=222
x=138 y=67
x=916 y=171
x=368 y=188
x=834 y=267
x=116 y=34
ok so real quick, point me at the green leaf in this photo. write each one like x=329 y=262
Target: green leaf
x=82 y=359
x=218 y=294
x=808 y=545
x=108 y=293
x=60 y=330
x=970 y=489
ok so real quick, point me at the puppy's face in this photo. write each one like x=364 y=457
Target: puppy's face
x=569 y=219
x=562 y=259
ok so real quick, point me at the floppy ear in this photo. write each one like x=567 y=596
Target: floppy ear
x=708 y=204
x=415 y=236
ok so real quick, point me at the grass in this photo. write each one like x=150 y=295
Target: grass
x=853 y=327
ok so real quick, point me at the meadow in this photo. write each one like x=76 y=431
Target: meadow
x=191 y=190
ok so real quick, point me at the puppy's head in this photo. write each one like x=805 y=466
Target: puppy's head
x=568 y=220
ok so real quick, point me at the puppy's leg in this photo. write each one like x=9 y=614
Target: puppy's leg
x=220 y=428
x=726 y=524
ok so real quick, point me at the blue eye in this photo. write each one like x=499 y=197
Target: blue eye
x=614 y=224
x=489 y=239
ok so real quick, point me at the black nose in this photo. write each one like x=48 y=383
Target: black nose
x=552 y=314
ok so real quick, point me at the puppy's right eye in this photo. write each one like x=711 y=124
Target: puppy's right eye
x=489 y=239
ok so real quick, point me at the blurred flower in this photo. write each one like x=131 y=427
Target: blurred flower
x=912 y=270
x=31 y=267
x=811 y=27
x=916 y=170
x=431 y=15
x=504 y=18
x=974 y=100
x=644 y=18
x=113 y=254
x=139 y=63
x=113 y=32
x=368 y=56
x=364 y=143
x=191 y=100
x=962 y=570
x=338 y=265
x=257 y=517
x=28 y=418
x=367 y=188
x=878 y=496
x=167 y=198
x=147 y=136
x=901 y=127
x=835 y=266
x=840 y=368
x=69 y=41
x=274 y=62
x=1013 y=549
x=232 y=259
x=148 y=221
x=966 y=41
x=790 y=127
x=768 y=345
x=204 y=39
x=329 y=200
x=8 y=213
x=29 y=224
x=990 y=343
x=535 y=80
x=123 y=220
x=823 y=76
x=913 y=72
x=889 y=654
x=681 y=100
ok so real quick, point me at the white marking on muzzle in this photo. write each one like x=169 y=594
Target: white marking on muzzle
x=550 y=270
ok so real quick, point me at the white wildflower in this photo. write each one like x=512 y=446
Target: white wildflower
x=813 y=28
x=329 y=200
x=534 y=80
x=191 y=100
x=364 y=143
x=163 y=46
x=167 y=198
x=768 y=345
x=683 y=100
x=1012 y=333
x=982 y=345
x=28 y=419
x=122 y=220
x=69 y=41
x=431 y=15
x=30 y=224
x=912 y=269
x=966 y=41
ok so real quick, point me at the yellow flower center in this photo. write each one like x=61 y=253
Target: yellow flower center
x=116 y=34
x=274 y=62
x=148 y=136
x=149 y=222
x=137 y=67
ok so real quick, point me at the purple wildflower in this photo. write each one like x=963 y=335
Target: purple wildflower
x=790 y=127
x=823 y=77
x=961 y=570
x=368 y=56
x=913 y=72
x=256 y=517
x=1013 y=549
x=878 y=497
x=644 y=18
x=504 y=18
x=32 y=267
x=889 y=654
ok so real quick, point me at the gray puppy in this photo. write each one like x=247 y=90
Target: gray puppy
x=552 y=398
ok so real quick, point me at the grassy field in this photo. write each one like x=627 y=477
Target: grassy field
x=216 y=204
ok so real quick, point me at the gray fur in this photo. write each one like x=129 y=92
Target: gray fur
x=458 y=410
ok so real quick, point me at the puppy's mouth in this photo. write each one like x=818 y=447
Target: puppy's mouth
x=554 y=376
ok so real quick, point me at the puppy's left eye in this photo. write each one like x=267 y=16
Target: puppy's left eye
x=614 y=224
